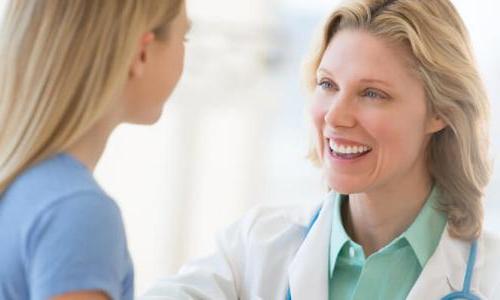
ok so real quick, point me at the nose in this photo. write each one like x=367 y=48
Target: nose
x=341 y=112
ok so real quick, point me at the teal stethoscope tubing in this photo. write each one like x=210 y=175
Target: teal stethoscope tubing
x=464 y=294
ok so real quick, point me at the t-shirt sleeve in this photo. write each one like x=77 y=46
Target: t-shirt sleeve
x=76 y=244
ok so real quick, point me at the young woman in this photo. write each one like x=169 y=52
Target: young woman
x=400 y=116
x=70 y=72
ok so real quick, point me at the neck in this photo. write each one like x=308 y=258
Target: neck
x=375 y=218
x=89 y=149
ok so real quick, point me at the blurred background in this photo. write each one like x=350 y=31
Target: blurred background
x=235 y=133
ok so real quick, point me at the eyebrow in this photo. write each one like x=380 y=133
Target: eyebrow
x=370 y=80
x=323 y=70
x=365 y=80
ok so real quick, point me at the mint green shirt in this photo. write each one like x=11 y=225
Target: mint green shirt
x=391 y=272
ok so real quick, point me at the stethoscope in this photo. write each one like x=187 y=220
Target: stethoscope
x=464 y=294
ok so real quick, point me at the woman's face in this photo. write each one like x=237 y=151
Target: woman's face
x=370 y=114
x=156 y=72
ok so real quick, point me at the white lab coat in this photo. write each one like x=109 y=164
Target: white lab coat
x=266 y=251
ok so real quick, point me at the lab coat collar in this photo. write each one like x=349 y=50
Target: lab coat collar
x=445 y=271
x=308 y=271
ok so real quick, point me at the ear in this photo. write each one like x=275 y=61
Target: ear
x=435 y=124
x=142 y=55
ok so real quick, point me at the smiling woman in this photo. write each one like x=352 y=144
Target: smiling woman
x=400 y=116
x=426 y=87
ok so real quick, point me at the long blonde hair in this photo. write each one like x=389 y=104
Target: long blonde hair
x=60 y=64
x=437 y=40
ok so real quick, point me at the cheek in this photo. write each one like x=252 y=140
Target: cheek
x=175 y=65
x=318 y=110
x=177 y=58
x=398 y=136
x=169 y=74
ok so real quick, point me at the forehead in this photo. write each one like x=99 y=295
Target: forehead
x=353 y=54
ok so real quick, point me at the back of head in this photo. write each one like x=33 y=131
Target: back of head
x=440 y=55
x=61 y=64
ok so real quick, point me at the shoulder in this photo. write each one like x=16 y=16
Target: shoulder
x=55 y=176
x=69 y=233
x=266 y=223
x=77 y=243
x=59 y=200
x=491 y=242
x=57 y=196
x=489 y=247
x=50 y=184
x=266 y=235
x=76 y=219
x=489 y=262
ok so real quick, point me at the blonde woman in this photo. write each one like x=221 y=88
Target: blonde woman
x=400 y=116
x=70 y=72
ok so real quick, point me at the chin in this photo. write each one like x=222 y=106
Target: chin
x=153 y=120
x=344 y=185
x=145 y=119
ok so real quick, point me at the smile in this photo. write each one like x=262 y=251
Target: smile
x=345 y=151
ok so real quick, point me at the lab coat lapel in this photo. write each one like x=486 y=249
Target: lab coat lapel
x=445 y=271
x=308 y=271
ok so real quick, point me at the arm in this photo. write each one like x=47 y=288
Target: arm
x=82 y=296
x=243 y=262
x=77 y=245
x=216 y=277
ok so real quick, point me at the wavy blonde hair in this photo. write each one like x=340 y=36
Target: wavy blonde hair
x=438 y=43
x=61 y=62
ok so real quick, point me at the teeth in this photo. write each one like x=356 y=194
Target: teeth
x=341 y=149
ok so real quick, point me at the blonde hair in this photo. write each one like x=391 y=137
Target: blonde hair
x=60 y=64
x=438 y=43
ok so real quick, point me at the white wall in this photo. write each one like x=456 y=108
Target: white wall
x=480 y=18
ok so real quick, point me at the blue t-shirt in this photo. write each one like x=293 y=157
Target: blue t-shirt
x=59 y=233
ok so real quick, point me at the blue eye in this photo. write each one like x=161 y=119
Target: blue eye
x=325 y=84
x=374 y=95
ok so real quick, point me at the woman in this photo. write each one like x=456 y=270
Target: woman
x=400 y=117
x=71 y=71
